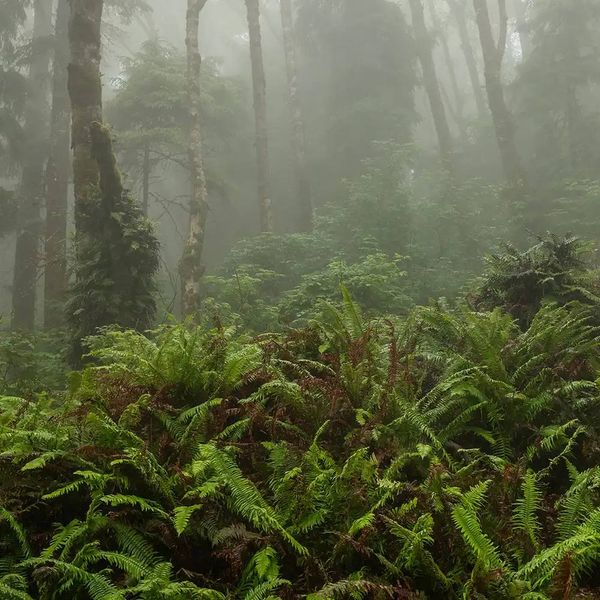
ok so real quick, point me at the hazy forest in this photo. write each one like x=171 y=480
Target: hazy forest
x=299 y=299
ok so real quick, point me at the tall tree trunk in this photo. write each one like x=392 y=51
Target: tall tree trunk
x=85 y=91
x=458 y=10
x=572 y=120
x=116 y=251
x=57 y=177
x=146 y=169
x=431 y=83
x=31 y=192
x=259 y=85
x=456 y=91
x=191 y=267
x=493 y=55
x=298 y=136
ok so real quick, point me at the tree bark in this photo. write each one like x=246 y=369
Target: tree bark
x=493 y=55
x=57 y=177
x=31 y=192
x=298 y=135
x=191 y=267
x=458 y=10
x=431 y=83
x=260 y=114
x=146 y=168
x=116 y=251
x=459 y=114
x=85 y=91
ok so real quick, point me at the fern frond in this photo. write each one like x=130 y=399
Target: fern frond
x=525 y=513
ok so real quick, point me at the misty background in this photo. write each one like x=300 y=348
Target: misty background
x=365 y=110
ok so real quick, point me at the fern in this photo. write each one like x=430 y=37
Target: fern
x=182 y=516
x=525 y=514
x=246 y=500
x=17 y=530
x=465 y=516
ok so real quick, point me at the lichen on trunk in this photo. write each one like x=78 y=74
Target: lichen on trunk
x=191 y=268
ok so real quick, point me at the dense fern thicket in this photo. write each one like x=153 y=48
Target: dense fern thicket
x=450 y=453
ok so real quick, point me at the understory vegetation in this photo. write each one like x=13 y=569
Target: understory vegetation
x=449 y=453
x=299 y=300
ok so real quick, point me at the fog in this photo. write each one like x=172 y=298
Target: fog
x=299 y=299
x=471 y=130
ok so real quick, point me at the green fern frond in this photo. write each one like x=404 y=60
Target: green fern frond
x=17 y=530
x=182 y=516
x=525 y=513
x=466 y=519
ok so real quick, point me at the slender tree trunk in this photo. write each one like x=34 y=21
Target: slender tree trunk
x=458 y=10
x=85 y=91
x=191 y=264
x=57 y=177
x=260 y=114
x=459 y=114
x=431 y=83
x=573 y=115
x=298 y=137
x=493 y=54
x=31 y=192
x=146 y=168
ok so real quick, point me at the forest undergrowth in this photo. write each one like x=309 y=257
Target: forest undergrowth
x=452 y=453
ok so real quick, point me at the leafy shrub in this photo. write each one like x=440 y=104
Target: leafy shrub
x=31 y=363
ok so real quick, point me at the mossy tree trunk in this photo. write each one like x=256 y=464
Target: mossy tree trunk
x=303 y=188
x=57 y=177
x=259 y=86
x=85 y=91
x=116 y=250
x=431 y=84
x=31 y=190
x=191 y=268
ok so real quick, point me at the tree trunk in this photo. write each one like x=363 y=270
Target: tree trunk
x=458 y=10
x=85 y=91
x=191 y=263
x=260 y=114
x=298 y=137
x=146 y=168
x=31 y=192
x=431 y=83
x=493 y=55
x=459 y=114
x=116 y=251
x=57 y=177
